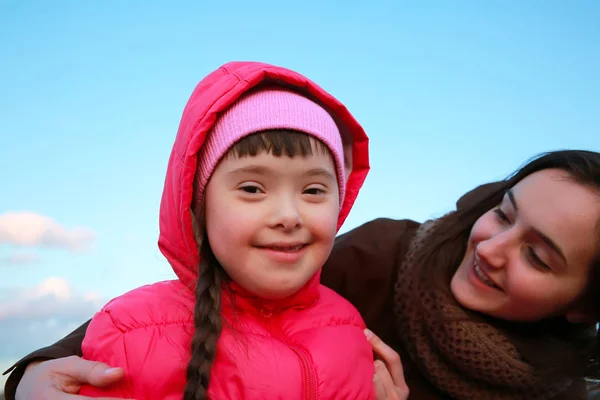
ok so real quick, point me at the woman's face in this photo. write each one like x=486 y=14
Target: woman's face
x=529 y=258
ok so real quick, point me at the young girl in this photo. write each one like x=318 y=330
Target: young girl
x=250 y=210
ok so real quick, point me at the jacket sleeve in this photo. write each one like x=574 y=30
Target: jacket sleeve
x=105 y=342
x=363 y=265
x=70 y=345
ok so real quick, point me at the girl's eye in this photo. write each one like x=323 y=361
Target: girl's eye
x=501 y=215
x=314 y=191
x=536 y=260
x=251 y=189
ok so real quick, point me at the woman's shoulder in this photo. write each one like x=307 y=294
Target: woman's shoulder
x=364 y=262
x=374 y=231
x=368 y=253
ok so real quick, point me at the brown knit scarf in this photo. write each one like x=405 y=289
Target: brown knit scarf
x=463 y=358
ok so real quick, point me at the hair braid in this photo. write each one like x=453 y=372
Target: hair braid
x=207 y=321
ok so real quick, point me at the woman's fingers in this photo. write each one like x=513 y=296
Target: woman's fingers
x=385 y=389
x=389 y=357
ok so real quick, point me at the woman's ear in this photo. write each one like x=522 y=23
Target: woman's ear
x=581 y=315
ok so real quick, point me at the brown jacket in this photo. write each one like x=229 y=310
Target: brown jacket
x=373 y=252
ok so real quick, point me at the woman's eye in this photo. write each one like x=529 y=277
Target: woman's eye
x=501 y=215
x=536 y=260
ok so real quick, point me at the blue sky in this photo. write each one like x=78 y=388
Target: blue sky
x=452 y=94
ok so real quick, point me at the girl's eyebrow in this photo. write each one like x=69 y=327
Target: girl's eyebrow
x=549 y=242
x=253 y=169
x=321 y=172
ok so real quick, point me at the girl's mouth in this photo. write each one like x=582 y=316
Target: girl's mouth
x=286 y=249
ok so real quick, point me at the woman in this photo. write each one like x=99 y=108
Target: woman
x=498 y=299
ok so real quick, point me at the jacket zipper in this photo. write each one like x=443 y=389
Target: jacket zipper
x=309 y=380
x=309 y=375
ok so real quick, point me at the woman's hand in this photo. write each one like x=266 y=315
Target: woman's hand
x=62 y=378
x=389 y=375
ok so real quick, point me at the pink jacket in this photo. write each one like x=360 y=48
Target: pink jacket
x=309 y=346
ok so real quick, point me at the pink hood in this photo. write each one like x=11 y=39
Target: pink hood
x=212 y=95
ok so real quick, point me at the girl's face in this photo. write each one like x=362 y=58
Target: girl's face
x=271 y=221
x=529 y=258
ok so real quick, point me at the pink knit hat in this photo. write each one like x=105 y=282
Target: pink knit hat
x=269 y=109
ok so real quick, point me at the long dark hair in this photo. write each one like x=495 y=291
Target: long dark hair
x=211 y=276
x=554 y=346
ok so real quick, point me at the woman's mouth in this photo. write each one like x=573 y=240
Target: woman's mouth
x=483 y=276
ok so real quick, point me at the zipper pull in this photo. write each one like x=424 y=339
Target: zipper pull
x=267 y=313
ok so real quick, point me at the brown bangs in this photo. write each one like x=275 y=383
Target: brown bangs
x=278 y=142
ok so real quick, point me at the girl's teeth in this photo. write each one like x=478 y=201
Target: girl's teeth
x=287 y=249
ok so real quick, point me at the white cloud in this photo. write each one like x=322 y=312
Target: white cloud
x=33 y=230
x=51 y=298
x=19 y=258
x=35 y=317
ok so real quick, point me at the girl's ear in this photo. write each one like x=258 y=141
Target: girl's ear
x=348 y=148
x=197 y=226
